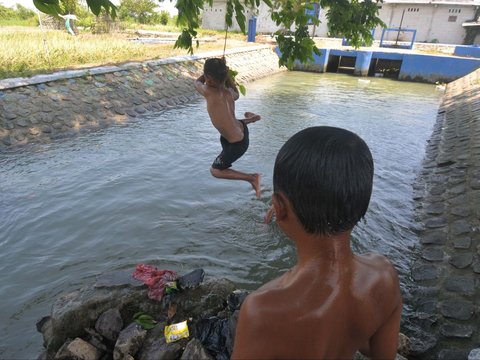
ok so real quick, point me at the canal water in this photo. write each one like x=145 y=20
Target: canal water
x=142 y=193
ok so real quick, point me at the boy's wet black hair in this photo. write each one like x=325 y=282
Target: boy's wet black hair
x=216 y=68
x=327 y=174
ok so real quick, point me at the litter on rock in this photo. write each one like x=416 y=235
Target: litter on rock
x=176 y=332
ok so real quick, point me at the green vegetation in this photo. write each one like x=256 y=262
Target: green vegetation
x=17 y=16
x=24 y=52
x=141 y=11
x=354 y=19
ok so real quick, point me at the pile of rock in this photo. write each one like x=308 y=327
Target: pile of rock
x=97 y=322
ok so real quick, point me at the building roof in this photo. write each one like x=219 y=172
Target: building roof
x=436 y=2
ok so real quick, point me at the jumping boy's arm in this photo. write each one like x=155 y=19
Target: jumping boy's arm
x=230 y=84
x=200 y=85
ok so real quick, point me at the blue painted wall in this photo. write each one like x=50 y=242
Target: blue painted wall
x=469 y=51
x=415 y=67
x=429 y=68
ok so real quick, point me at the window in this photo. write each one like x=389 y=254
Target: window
x=452 y=19
x=454 y=11
x=413 y=9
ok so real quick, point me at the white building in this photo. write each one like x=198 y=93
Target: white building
x=434 y=21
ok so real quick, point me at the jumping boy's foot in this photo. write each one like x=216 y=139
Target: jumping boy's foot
x=256 y=184
x=269 y=215
x=251 y=117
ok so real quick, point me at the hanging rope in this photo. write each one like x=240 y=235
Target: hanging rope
x=45 y=47
x=225 y=42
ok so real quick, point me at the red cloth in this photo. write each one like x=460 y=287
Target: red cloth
x=155 y=279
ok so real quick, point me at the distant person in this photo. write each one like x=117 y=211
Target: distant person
x=333 y=302
x=69 y=23
x=220 y=92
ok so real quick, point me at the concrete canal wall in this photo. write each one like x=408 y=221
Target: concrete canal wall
x=409 y=66
x=447 y=267
x=48 y=107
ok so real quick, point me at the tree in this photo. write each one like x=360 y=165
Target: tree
x=68 y=6
x=354 y=19
x=142 y=11
x=24 y=13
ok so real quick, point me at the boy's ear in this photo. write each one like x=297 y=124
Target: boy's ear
x=280 y=205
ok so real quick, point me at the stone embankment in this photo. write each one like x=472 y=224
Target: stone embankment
x=447 y=270
x=47 y=107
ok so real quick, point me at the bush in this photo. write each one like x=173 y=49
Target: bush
x=164 y=17
x=20 y=16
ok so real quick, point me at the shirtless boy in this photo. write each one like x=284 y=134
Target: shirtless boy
x=333 y=302
x=221 y=93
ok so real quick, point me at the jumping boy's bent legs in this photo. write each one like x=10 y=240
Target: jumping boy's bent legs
x=251 y=117
x=230 y=153
x=230 y=174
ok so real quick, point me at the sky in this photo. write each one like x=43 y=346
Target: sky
x=168 y=5
x=12 y=3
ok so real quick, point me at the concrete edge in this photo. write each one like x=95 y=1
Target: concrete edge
x=6 y=84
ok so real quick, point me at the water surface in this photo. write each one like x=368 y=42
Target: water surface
x=142 y=193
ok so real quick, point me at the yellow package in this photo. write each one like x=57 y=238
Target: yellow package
x=176 y=332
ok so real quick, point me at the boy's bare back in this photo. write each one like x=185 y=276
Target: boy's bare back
x=327 y=312
x=333 y=302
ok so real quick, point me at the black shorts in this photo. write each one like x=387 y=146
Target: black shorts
x=231 y=151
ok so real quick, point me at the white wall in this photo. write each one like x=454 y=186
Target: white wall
x=431 y=21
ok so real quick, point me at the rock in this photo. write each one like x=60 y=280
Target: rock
x=421 y=344
x=129 y=341
x=460 y=227
x=195 y=350
x=436 y=222
x=452 y=354
x=456 y=330
x=435 y=208
x=421 y=272
x=235 y=299
x=432 y=254
x=78 y=310
x=403 y=345
x=474 y=354
x=434 y=237
x=192 y=279
x=202 y=302
x=109 y=324
x=156 y=348
x=462 y=243
x=461 y=261
x=78 y=349
x=457 y=309
x=74 y=312
x=96 y=340
x=460 y=284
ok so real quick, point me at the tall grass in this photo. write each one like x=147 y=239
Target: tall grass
x=25 y=52
x=33 y=21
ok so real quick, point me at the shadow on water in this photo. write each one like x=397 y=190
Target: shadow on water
x=142 y=193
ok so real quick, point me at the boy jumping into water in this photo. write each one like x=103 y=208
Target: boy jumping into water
x=333 y=302
x=221 y=93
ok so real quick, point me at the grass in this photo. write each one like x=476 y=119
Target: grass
x=25 y=53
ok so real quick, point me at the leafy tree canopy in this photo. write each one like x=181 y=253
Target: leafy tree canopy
x=140 y=10
x=354 y=19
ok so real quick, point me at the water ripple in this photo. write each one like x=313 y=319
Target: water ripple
x=107 y=200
